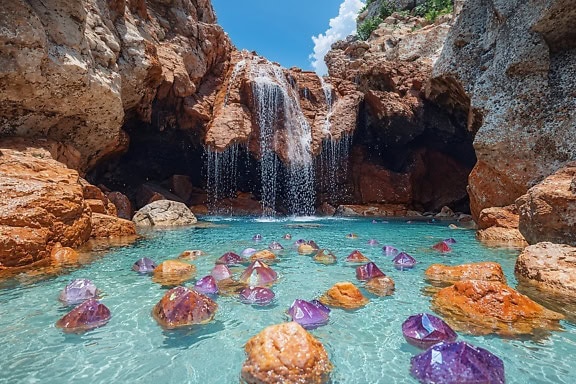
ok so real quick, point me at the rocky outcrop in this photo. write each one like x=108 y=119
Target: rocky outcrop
x=164 y=213
x=486 y=271
x=548 y=210
x=285 y=353
x=106 y=226
x=74 y=72
x=484 y=307
x=509 y=67
x=499 y=226
x=549 y=267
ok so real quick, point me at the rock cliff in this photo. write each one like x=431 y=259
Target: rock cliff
x=509 y=66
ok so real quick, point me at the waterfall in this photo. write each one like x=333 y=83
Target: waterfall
x=222 y=176
x=278 y=108
x=335 y=153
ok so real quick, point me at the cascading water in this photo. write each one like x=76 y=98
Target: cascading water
x=278 y=109
x=334 y=156
x=222 y=176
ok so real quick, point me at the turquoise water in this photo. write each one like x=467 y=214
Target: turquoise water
x=366 y=345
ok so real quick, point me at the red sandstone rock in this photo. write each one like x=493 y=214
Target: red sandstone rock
x=550 y=267
x=381 y=286
x=484 y=307
x=265 y=255
x=63 y=255
x=123 y=205
x=345 y=295
x=486 y=271
x=42 y=204
x=505 y=217
x=285 y=353
x=173 y=272
x=548 y=210
x=105 y=226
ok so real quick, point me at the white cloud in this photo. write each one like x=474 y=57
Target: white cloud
x=341 y=26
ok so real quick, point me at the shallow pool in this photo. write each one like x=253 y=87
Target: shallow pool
x=366 y=345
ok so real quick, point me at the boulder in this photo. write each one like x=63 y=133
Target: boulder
x=484 y=307
x=263 y=255
x=380 y=286
x=63 y=255
x=181 y=307
x=325 y=256
x=105 y=226
x=486 y=271
x=381 y=210
x=122 y=203
x=548 y=209
x=498 y=226
x=173 y=272
x=345 y=295
x=164 y=213
x=42 y=203
x=285 y=353
x=549 y=267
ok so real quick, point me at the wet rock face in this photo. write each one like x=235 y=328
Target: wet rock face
x=486 y=271
x=181 y=307
x=457 y=362
x=548 y=210
x=104 y=62
x=523 y=79
x=549 y=267
x=164 y=213
x=484 y=307
x=88 y=315
x=42 y=202
x=285 y=353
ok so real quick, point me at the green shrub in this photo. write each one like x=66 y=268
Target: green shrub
x=386 y=9
x=365 y=28
x=432 y=9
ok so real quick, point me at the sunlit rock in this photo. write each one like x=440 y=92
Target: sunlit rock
x=306 y=249
x=206 y=285
x=368 y=271
x=380 y=286
x=357 y=257
x=344 y=295
x=457 y=363
x=442 y=247
x=313 y=244
x=309 y=314
x=263 y=255
x=77 y=291
x=257 y=295
x=389 y=250
x=144 y=265
x=484 y=307
x=221 y=272
x=88 y=315
x=258 y=274
x=173 y=272
x=63 y=255
x=404 y=261
x=181 y=307
x=325 y=256
x=191 y=254
x=424 y=330
x=275 y=246
x=486 y=270
x=230 y=287
x=230 y=258
x=285 y=353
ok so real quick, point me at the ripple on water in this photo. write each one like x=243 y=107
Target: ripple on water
x=365 y=345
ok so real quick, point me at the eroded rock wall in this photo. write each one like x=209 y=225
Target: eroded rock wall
x=510 y=65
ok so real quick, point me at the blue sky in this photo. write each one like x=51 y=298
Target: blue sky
x=282 y=31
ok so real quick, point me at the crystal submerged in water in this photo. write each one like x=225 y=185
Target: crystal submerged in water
x=424 y=330
x=257 y=295
x=144 y=265
x=77 y=291
x=309 y=314
x=86 y=316
x=457 y=363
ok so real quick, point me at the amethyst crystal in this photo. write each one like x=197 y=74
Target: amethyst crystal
x=275 y=246
x=357 y=257
x=258 y=274
x=457 y=363
x=367 y=271
x=248 y=252
x=144 y=265
x=206 y=285
x=373 y=242
x=257 y=237
x=424 y=330
x=77 y=291
x=257 y=295
x=389 y=250
x=88 y=315
x=449 y=240
x=403 y=261
x=309 y=314
x=287 y=236
x=298 y=242
x=230 y=258
x=220 y=272
x=442 y=247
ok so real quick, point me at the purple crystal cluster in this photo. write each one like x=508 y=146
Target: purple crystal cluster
x=457 y=363
x=77 y=291
x=424 y=330
x=257 y=295
x=206 y=285
x=230 y=258
x=403 y=261
x=144 y=265
x=367 y=271
x=88 y=315
x=309 y=314
x=390 y=251
x=275 y=246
